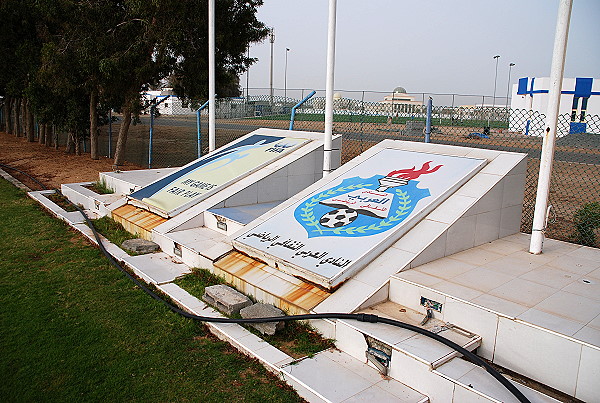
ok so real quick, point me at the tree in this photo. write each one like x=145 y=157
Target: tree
x=172 y=40
x=19 y=46
x=72 y=58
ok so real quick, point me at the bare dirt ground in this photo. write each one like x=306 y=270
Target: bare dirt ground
x=51 y=167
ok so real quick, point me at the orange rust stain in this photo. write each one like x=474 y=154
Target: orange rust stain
x=236 y=262
x=296 y=294
x=304 y=296
x=137 y=220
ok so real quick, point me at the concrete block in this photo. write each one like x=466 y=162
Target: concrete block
x=140 y=246
x=225 y=299
x=263 y=311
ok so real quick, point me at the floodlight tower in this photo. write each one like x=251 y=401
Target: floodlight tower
x=272 y=40
x=497 y=57
x=510 y=66
x=285 y=77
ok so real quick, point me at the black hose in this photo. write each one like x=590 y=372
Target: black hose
x=361 y=317
x=26 y=174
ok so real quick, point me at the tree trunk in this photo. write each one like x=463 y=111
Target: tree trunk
x=29 y=123
x=22 y=119
x=122 y=139
x=94 y=124
x=42 y=136
x=77 y=139
x=48 y=131
x=16 y=119
x=70 y=148
x=7 y=115
x=55 y=137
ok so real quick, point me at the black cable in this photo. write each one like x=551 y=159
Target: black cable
x=361 y=317
x=26 y=174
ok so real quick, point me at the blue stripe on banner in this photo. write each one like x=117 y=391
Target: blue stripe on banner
x=522 y=88
x=583 y=87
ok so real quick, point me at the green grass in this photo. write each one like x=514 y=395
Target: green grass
x=358 y=118
x=199 y=279
x=296 y=338
x=73 y=328
x=101 y=187
x=112 y=230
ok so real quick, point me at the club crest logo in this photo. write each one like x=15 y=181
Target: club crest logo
x=361 y=207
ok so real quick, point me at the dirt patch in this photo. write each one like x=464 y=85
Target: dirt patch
x=51 y=167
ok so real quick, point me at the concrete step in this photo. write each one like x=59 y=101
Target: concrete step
x=137 y=221
x=100 y=204
x=356 y=338
x=334 y=376
x=229 y=220
x=156 y=268
x=471 y=382
x=196 y=247
x=423 y=363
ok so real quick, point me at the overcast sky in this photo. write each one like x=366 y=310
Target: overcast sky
x=436 y=46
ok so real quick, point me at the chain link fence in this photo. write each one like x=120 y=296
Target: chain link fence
x=575 y=186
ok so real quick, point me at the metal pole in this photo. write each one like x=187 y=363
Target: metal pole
x=211 y=75
x=110 y=133
x=199 y=128
x=428 y=122
x=508 y=85
x=547 y=157
x=299 y=104
x=328 y=144
x=248 y=76
x=497 y=57
x=285 y=79
x=362 y=119
x=272 y=40
x=152 y=109
x=150 y=139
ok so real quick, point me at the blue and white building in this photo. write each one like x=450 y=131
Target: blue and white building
x=580 y=99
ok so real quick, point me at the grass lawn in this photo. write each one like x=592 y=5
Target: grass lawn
x=72 y=328
x=358 y=118
x=295 y=339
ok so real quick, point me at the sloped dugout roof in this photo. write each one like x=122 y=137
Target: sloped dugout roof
x=203 y=177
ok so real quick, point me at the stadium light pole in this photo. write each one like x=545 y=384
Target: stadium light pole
x=285 y=77
x=510 y=66
x=497 y=57
x=211 y=75
x=272 y=40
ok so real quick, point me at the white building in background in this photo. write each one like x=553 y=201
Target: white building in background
x=401 y=102
x=580 y=99
x=171 y=104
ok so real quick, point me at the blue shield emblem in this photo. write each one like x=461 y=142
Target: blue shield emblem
x=360 y=207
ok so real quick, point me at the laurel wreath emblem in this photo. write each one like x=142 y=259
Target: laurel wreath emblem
x=308 y=216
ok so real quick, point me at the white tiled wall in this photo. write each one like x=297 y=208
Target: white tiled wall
x=541 y=355
x=521 y=343
x=588 y=388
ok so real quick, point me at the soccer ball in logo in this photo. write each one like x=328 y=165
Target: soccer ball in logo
x=338 y=218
